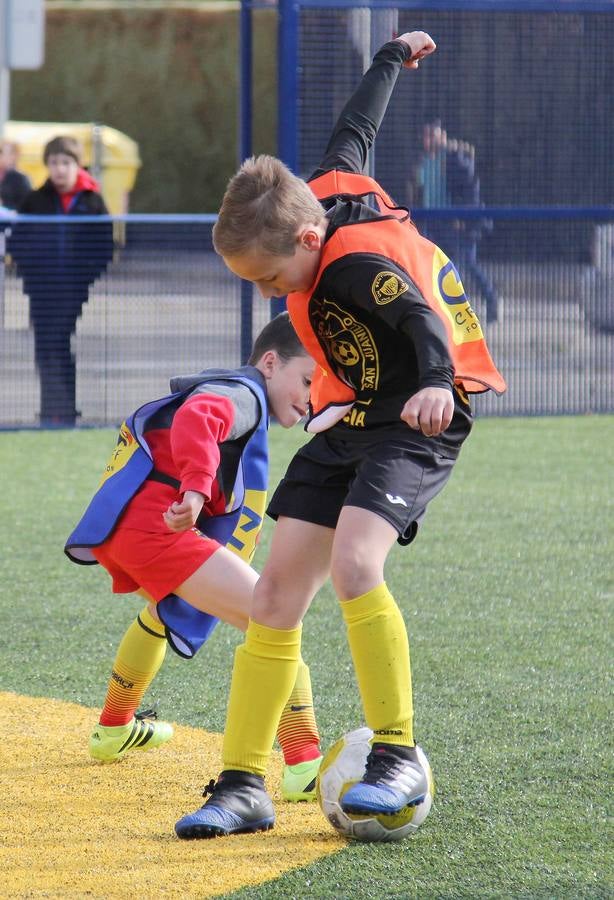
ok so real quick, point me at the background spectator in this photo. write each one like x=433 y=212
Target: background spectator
x=58 y=262
x=14 y=185
x=445 y=176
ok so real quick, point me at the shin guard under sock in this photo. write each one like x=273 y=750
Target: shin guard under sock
x=380 y=650
x=263 y=676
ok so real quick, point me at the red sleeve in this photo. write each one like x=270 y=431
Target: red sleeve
x=199 y=426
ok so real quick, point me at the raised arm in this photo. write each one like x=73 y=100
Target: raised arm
x=362 y=115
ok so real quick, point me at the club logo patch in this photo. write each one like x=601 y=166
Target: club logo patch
x=126 y=446
x=350 y=347
x=387 y=287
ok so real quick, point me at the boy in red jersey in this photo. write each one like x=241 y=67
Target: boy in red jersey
x=176 y=518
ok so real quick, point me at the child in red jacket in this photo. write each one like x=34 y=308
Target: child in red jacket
x=176 y=518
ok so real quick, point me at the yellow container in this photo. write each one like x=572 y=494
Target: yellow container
x=111 y=156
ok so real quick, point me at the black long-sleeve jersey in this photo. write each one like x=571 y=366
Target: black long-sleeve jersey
x=406 y=339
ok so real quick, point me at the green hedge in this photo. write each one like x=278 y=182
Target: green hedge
x=168 y=79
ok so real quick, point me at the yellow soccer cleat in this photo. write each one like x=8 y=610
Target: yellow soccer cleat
x=299 y=781
x=110 y=743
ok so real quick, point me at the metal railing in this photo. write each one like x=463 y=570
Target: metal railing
x=541 y=281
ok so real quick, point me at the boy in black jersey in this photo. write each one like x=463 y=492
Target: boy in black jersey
x=398 y=348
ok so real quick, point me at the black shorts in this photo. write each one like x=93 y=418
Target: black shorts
x=390 y=476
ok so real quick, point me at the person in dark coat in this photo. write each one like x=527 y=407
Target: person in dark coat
x=14 y=185
x=58 y=261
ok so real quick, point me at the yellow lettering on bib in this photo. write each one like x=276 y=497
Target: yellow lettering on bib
x=245 y=536
x=125 y=447
x=450 y=294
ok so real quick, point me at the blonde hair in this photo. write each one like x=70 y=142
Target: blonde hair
x=264 y=206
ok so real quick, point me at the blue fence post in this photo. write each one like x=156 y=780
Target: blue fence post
x=245 y=150
x=287 y=95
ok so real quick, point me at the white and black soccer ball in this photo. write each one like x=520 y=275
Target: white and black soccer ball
x=343 y=766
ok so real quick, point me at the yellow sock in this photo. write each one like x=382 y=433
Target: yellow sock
x=139 y=657
x=264 y=672
x=298 y=731
x=380 y=651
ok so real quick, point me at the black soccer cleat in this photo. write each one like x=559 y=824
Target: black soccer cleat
x=238 y=803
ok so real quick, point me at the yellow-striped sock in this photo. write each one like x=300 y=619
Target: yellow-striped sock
x=298 y=732
x=264 y=672
x=380 y=651
x=139 y=657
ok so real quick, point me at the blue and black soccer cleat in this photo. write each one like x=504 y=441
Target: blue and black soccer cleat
x=238 y=803
x=393 y=779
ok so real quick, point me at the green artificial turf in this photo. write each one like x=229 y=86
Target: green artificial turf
x=507 y=594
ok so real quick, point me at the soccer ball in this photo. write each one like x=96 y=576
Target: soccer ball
x=343 y=766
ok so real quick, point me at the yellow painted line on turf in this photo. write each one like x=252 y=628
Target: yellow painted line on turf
x=70 y=827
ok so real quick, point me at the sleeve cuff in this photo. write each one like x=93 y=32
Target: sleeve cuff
x=438 y=383
x=197 y=481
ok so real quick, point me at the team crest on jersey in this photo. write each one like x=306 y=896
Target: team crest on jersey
x=387 y=287
x=349 y=345
x=449 y=292
x=125 y=447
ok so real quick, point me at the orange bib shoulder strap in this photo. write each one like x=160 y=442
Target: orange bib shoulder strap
x=353 y=184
